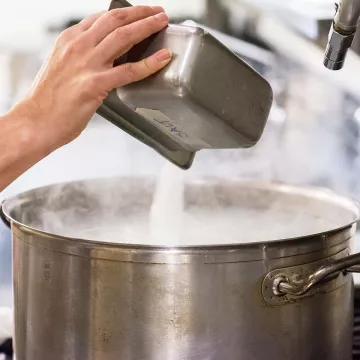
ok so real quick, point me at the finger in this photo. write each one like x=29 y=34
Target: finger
x=132 y=72
x=123 y=38
x=76 y=30
x=86 y=23
x=116 y=18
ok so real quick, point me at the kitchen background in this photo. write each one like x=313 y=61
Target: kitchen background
x=313 y=135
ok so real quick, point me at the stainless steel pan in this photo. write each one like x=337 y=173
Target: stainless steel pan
x=81 y=299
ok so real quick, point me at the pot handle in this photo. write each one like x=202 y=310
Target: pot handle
x=3 y=216
x=295 y=286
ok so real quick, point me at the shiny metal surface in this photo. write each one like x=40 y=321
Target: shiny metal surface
x=253 y=53
x=6 y=296
x=87 y=300
x=297 y=284
x=342 y=33
x=337 y=48
x=276 y=282
x=178 y=111
x=347 y=18
x=296 y=287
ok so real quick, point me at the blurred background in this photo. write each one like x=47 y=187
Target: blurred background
x=313 y=135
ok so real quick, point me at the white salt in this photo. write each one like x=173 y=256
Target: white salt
x=166 y=214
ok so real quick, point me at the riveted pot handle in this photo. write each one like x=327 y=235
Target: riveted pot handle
x=3 y=216
x=284 y=285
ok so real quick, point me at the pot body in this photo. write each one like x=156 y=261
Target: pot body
x=93 y=300
x=85 y=302
x=6 y=298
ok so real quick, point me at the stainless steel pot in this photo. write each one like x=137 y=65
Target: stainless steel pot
x=270 y=300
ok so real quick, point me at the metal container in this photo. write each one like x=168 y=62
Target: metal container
x=5 y=267
x=206 y=98
x=266 y=300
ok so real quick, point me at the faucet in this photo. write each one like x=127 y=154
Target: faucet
x=342 y=33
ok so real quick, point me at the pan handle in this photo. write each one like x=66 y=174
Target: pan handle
x=298 y=286
x=3 y=216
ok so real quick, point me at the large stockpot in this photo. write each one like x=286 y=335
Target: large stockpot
x=91 y=300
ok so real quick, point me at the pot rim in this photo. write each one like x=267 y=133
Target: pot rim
x=273 y=248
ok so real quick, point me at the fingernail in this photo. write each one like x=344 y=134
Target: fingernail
x=164 y=55
x=157 y=9
x=162 y=17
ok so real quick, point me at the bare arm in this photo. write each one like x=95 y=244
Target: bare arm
x=73 y=82
x=21 y=146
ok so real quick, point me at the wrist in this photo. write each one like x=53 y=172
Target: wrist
x=28 y=124
x=22 y=144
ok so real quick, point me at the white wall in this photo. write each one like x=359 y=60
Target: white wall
x=22 y=22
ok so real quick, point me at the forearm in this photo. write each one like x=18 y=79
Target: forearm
x=22 y=144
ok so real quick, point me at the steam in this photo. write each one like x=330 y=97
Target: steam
x=117 y=210
x=176 y=213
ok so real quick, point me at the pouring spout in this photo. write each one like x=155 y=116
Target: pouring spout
x=342 y=33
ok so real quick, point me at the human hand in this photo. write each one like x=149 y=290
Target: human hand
x=79 y=73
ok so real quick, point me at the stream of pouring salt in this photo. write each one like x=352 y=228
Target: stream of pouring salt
x=167 y=210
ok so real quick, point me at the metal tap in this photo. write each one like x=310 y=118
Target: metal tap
x=342 y=33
